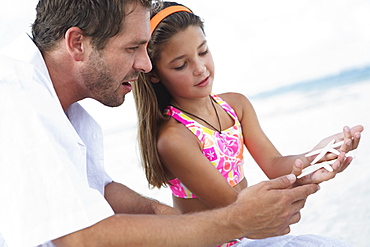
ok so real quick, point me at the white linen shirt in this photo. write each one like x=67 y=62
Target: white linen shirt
x=52 y=177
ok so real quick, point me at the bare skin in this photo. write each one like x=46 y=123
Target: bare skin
x=196 y=205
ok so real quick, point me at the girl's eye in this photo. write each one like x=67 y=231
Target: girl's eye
x=203 y=53
x=181 y=67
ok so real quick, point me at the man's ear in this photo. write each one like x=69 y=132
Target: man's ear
x=76 y=43
x=153 y=77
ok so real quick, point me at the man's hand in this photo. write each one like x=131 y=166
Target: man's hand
x=269 y=208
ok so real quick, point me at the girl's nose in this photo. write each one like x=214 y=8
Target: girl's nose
x=200 y=68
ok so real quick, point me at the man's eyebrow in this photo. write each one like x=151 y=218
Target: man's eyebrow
x=137 y=42
x=182 y=56
x=143 y=42
x=140 y=42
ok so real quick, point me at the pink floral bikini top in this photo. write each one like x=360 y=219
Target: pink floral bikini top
x=224 y=150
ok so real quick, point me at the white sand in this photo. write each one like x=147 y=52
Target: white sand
x=295 y=124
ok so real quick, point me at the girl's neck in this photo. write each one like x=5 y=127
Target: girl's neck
x=200 y=106
x=206 y=112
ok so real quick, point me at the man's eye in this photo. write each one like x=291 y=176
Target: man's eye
x=133 y=48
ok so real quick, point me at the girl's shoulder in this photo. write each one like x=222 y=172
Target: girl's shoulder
x=173 y=132
x=169 y=127
x=232 y=97
x=237 y=101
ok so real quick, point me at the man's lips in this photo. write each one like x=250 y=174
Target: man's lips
x=127 y=84
x=130 y=81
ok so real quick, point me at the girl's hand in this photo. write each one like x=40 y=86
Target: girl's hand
x=322 y=174
x=350 y=137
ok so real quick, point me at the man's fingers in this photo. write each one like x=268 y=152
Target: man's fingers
x=295 y=218
x=282 y=182
x=285 y=231
x=302 y=192
x=298 y=193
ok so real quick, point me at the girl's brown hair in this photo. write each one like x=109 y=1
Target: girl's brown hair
x=152 y=98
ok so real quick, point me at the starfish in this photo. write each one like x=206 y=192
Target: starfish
x=330 y=147
x=315 y=167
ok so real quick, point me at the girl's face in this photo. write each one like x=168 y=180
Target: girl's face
x=186 y=66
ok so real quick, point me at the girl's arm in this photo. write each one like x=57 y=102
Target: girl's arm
x=267 y=156
x=181 y=152
x=259 y=146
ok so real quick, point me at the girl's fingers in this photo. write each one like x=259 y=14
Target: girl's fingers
x=346 y=147
x=356 y=140
x=298 y=167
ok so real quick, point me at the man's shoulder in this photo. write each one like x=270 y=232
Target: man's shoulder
x=21 y=59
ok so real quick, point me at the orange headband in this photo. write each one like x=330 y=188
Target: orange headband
x=154 y=22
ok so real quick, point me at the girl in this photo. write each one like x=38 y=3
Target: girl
x=192 y=139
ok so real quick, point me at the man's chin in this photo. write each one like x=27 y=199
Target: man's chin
x=114 y=103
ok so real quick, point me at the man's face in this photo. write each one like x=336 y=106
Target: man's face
x=109 y=72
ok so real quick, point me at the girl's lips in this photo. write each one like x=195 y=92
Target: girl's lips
x=203 y=83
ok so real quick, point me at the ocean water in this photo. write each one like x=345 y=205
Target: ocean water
x=295 y=118
x=313 y=86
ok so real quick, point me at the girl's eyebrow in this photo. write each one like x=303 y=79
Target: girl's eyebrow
x=176 y=58
x=182 y=56
x=202 y=44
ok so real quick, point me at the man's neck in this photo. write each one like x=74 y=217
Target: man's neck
x=61 y=73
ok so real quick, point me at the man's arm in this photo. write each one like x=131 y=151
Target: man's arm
x=263 y=210
x=123 y=200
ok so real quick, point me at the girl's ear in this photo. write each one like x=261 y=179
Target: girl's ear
x=153 y=77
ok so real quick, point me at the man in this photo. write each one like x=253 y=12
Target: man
x=54 y=190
